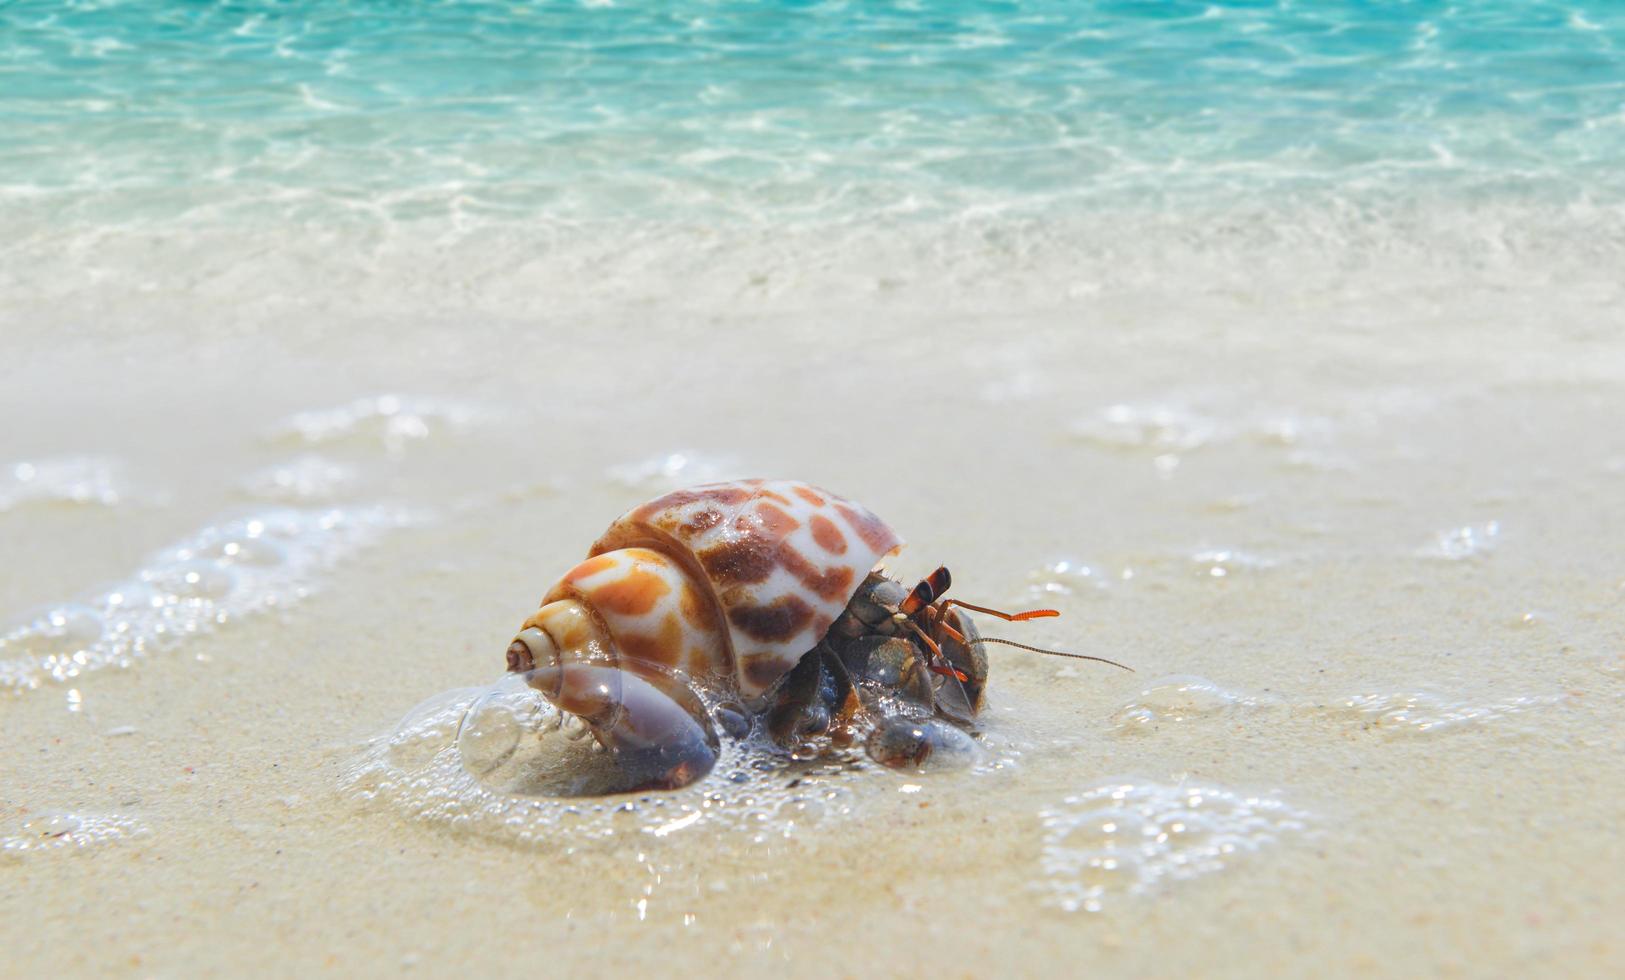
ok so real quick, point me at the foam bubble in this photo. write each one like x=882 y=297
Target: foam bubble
x=516 y=743
x=424 y=770
x=1409 y=715
x=306 y=479
x=1461 y=543
x=390 y=422
x=55 y=832
x=64 y=480
x=1179 y=698
x=223 y=572
x=1131 y=838
x=500 y=763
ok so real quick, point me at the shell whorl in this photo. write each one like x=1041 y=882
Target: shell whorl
x=653 y=610
x=777 y=561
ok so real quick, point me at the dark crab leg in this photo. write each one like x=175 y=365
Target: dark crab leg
x=939 y=661
x=813 y=699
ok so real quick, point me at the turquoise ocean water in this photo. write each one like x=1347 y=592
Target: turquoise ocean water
x=167 y=113
x=798 y=109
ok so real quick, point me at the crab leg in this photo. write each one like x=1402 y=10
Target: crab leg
x=942 y=665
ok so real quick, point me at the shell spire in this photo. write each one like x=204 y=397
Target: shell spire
x=782 y=559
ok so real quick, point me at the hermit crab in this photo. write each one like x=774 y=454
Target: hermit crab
x=754 y=607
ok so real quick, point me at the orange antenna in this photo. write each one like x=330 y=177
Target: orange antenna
x=1007 y=617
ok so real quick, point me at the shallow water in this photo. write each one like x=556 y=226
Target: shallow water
x=794 y=111
x=1276 y=347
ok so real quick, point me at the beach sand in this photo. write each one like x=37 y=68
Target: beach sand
x=1354 y=522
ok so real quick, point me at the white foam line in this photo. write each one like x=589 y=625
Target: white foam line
x=221 y=573
x=58 y=832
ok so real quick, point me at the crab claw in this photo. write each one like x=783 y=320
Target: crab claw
x=658 y=740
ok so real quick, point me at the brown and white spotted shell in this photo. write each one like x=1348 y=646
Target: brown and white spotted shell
x=727 y=585
x=777 y=559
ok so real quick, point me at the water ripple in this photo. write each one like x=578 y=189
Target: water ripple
x=142 y=108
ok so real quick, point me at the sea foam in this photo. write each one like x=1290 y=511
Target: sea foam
x=222 y=573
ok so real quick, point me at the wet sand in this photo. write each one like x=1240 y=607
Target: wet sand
x=1358 y=534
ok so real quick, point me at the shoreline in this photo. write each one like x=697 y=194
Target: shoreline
x=1329 y=251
